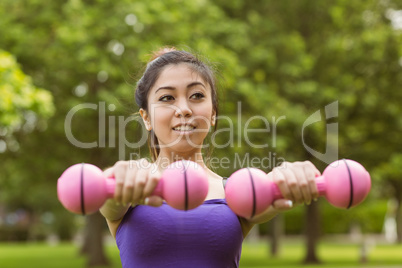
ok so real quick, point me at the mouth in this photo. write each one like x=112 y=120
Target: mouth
x=186 y=128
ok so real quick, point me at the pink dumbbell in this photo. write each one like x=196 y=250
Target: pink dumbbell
x=345 y=184
x=83 y=189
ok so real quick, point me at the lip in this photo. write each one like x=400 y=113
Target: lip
x=184 y=124
x=184 y=131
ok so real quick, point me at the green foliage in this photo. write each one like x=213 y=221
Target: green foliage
x=21 y=101
x=368 y=218
x=278 y=58
x=390 y=172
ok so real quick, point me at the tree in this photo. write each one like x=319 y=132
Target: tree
x=301 y=56
x=23 y=106
x=280 y=60
x=24 y=110
x=87 y=61
x=390 y=171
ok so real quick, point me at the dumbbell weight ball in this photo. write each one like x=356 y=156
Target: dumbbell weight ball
x=83 y=188
x=345 y=183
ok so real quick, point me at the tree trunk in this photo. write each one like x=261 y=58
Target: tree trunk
x=398 y=219
x=276 y=225
x=312 y=233
x=92 y=247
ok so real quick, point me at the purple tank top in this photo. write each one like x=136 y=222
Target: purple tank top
x=207 y=236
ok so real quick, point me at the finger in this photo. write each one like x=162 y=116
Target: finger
x=305 y=189
x=317 y=173
x=293 y=184
x=154 y=176
x=108 y=173
x=311 y=173
x=129 y=184
x=119 y=174
x=282 y=204
x=280 y=181
x=140 y=181
x=153 y=201
x=299 y=172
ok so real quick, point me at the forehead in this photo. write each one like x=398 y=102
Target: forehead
x=178 y=75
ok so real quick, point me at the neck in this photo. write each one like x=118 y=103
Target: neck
x=167 y=157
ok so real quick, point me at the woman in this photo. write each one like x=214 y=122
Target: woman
x=178 y=104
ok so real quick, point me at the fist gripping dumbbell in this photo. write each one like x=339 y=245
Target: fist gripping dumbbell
x=345 y=184
x=83 y=189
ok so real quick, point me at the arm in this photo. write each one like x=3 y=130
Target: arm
x=278 y=207
x=135 y=183
x=113 y=214
x=113 y=211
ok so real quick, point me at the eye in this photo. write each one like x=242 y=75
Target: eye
x=197 y=96
x=166 y=98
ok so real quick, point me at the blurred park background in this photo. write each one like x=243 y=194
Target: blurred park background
x=275 y=59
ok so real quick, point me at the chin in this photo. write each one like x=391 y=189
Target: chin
x=185 y=147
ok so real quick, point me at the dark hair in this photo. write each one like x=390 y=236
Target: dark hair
x=159 y=60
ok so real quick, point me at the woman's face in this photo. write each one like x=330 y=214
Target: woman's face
x=180 y=109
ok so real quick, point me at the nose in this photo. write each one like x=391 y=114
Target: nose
x=183 y=109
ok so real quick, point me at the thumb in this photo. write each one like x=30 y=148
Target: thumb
x=153 y=201
x=283 y=204
x=108 y=173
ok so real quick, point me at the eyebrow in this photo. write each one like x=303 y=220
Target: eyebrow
x=188 y=86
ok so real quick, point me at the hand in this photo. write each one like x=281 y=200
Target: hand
x=296 y=181
x=135 y=182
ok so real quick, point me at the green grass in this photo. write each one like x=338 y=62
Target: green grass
x=254 y=255
x=33 y=255
x=331 y=254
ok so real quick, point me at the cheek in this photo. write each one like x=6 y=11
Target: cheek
x=161 y=117
x=204 y=115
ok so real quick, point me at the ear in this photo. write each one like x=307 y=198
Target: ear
x=146 y=119
x=213 y=118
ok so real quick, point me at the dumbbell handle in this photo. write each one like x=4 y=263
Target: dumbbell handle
x=111 y=187
x=319 y=181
